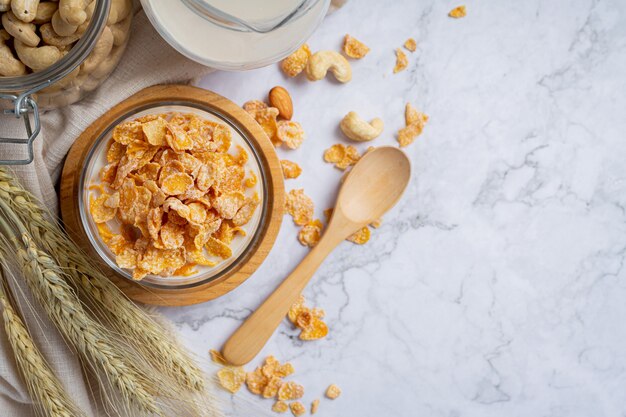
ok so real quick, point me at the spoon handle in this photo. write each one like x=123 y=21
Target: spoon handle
x=251 y=336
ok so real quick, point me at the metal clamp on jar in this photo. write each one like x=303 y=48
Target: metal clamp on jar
x=63 y=58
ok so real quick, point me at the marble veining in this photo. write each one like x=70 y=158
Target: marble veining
x=496 y=287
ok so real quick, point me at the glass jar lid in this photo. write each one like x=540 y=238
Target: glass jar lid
x=237 y=35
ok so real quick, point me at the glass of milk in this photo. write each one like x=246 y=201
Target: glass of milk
x=235 y=34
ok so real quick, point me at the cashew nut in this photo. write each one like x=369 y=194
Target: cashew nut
x=100 y=51
x=73 y=11
x=25 y=32
x=50 y=37
x=120 y=9
x=61 y=27
x=121 y=30
x=9 y=65
x=25 y=10
x=82 y=28
x=323 y=61
x=45 y=11
x=106 y=67
x=5 y=5
x=37 y=58
x=358 y=129
x=64 y=83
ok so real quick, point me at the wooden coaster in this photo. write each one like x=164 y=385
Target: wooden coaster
x=269 y=225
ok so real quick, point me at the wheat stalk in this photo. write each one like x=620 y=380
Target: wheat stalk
x=44 y=387
x=147 y=337
x=90 y=338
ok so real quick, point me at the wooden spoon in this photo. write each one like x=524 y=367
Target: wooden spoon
x=372 y=187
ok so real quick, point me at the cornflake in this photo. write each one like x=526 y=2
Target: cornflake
x=354 y=48
x=299 y=206
x=310 y=233
x=333 y=391
x=315 y=405
x=290 y=133
x=231 y=378
x=308 y=320
x=341 y=155
x=297 y=409
x=458 y=12
x=296 y=62
x=168 y=186
x=361 y=237
x=280 y=407
x=415 y=122
x=290 y=391
x=410 y=45
x=401 y=61
x=290 y=169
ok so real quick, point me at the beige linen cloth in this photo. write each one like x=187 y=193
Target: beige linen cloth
x=148 y=61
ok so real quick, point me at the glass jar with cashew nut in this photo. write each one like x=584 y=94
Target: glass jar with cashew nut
x=59 y=51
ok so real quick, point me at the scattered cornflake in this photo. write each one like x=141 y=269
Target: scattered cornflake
x=280 y=407
x=354 y=48
x=217 y=357
x=341 y=155
x=290 y=391
x=361 y=237
x=333 y=391
x=310 y=233
x=458 y=12
x=290 y=133
x=309 y=321
x=297 y=409
x=401 y=61
x=296 y=62
x=410 y=45
x=299 y=206
x=415 y=122
x=315 y=405
x=266 y=118
x=168 y=184
x=231 y=378
x=253 y=106
x=290 y=169
x=256 y=381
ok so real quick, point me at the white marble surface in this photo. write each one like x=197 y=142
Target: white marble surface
x=496 y=287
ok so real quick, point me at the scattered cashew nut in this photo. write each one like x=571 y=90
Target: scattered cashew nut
x=5 y=5
x=61 y=27
x=25 y=10
x=99 y=52
x=50 y=37
x=25 y=32
x=73 y=11
x=323 y=61
x=9 y=65
x=45 y=11
x=37 y=58
x=358 y=129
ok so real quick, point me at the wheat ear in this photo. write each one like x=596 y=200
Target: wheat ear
x=44 y=387
x=90 y=338
x=128 y=319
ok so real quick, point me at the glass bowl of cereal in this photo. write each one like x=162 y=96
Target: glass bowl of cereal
x=176 y=195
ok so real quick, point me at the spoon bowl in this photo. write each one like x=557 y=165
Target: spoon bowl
x=373 y=186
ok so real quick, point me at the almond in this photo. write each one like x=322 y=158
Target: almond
x=280 y=98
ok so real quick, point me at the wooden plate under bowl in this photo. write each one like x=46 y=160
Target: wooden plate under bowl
x=238 y=118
